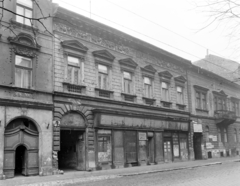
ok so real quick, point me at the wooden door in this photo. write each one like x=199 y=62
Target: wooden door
x=151 y=150
x=131 y=146
x=167 y=150
x=21 y=135
x=80 y=148
x=197 y=142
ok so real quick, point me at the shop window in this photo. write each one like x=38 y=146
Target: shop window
x=183 y=146
x=219 y=135
x=207 y=133
x=23 y=71
x=225 y=135
x=235 y=135
x=175 y=145
x=180 y=99
x=104 y=148
x=147 y=87
x=24 y=8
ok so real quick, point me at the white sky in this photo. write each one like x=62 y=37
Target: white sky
x=179 y=16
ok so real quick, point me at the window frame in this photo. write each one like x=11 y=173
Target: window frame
x=220 y=101
x=182 y=94
x=207 y=133
x=148 y=93
x=30 y=86
x=130 y=83
x=167 y=91
x=79 y=68
x=24 y=13
x=102 y=75
x=225 y=135
x=235 y=135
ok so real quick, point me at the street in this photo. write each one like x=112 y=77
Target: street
x=227 y=174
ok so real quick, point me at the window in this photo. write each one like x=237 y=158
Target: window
x=103 y=143
x=24 y=8
x=235 y=135
x=207 y=133
x=235 y=107
x=201 y=101
x=219 y=103
x=179 y=95
x=219 y=135
x=225 y=135
x=23 y=71
x=73 y=74
x=103 y=76
x=165 y=91
x=148 y=87
x=127 y=81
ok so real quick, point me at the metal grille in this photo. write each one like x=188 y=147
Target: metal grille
x=74 y=88
x=104 y=94
x=168 y=105
x=181 y=107
x=149 y=102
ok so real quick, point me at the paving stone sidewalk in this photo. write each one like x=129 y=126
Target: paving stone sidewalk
x=74 y=177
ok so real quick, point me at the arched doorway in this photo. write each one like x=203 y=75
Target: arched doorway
x=21 y=148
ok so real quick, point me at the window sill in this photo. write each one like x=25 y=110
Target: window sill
x=166 y=104
x=15 y=23
x=73 y=87
x=104 y=93
x=149 y=101
x=181 y=106
x=25 y=90
x=201 y=110
x=128 y=97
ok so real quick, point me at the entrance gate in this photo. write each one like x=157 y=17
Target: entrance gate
x=21 y=139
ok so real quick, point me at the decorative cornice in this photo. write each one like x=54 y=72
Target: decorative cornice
x=74 y=45
x=220 y=93
x=180 y=79
x=165 y=74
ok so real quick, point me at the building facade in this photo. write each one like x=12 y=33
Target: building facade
x=215 y=114
x=25 y=90
x=118 y=101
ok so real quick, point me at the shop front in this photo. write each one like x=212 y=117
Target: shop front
x=123 y=141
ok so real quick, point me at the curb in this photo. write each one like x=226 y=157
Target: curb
x=173 y=169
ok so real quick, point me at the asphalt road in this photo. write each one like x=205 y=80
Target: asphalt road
x=227 y=174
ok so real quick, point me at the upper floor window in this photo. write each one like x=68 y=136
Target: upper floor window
x=235 y=107
x=219 y=103
x=180 y=99
x=74 y=70
x=165 y=91
x=127 y=81
x=23 y=71
x=24 y=8
x=201 y=101
x=148 y=87
x=103 y=76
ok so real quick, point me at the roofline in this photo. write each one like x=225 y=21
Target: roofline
x=123 y=35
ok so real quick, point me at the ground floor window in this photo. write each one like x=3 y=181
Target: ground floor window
x=104 y=146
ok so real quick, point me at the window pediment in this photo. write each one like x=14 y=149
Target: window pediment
x=180 y=79
x=220 y=93
x=165 y=74
x=148 y=71
x=103 y=54
x=203 y=89
x=25 y=40
x=128 y=62
x=74 y=45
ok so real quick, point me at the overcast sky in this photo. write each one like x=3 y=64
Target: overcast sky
x=173 y=25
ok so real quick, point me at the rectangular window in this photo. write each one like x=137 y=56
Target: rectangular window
x=220 y=103
x=103 y=77
x=23 y=72
x=24 y=8
x=179 y=95
x=104 y=148
x=165 y=91
x=148 y=87
x=201 y=100
x=235 y=107
x=73 y=70
x=127 y=80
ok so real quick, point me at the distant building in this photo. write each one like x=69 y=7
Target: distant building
x=224 y=67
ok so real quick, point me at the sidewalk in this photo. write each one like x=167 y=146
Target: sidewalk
x=83 y=176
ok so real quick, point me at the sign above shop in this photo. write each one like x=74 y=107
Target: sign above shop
x=131 y=122
x=142 y=136
x=197 y=127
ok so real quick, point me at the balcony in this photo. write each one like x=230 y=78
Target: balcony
x=225 y=117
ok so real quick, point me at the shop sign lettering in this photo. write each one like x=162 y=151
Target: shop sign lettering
x=142 y=136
